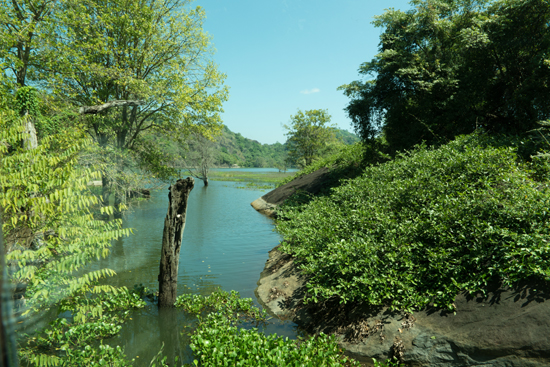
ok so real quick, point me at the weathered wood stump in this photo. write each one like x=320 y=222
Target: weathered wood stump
x=174 y=225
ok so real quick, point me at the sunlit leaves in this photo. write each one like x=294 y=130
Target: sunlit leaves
x=219 y=341
x=309 y=133
x=44 y=192
x=446 y=68
x=423 y=228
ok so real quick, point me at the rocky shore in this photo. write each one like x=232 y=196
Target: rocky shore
x=504 y=328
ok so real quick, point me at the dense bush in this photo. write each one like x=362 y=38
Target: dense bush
x=424 y=227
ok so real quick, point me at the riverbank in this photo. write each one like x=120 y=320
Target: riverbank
x=436 y=258
x=506 y=327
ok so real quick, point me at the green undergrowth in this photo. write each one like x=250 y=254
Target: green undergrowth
x=219 y=339
x=420 y=229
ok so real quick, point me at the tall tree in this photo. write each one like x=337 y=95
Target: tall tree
x=448 y=67
x=151 y=53
x=308 y=134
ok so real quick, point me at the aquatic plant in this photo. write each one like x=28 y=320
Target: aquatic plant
x=219 y=341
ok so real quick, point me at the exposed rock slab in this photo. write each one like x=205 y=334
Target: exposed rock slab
x=505 y=328
x=312 y=183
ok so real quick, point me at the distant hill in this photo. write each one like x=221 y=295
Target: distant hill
x=234 y=149
x=346 y=137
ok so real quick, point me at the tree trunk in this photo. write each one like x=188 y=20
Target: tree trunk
x=174 y=225
x=205 y=181
x=31 y=141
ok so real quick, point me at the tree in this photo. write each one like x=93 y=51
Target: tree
x=449 y=67
x=151 y=52
x=23 y=28
x=49 y=229
x=308 y=134
x=201 y=157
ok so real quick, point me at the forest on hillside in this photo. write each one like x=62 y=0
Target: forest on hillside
x=230 y=149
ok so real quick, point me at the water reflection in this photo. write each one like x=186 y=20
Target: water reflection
x=225 y=244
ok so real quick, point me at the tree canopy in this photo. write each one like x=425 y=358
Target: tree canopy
x=447 y=67
x=146 y=63
x=309 y=133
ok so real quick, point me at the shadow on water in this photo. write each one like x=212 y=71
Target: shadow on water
x=225 y=245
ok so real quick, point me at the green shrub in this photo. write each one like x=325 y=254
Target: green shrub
x=424 y=227
x=66 y=342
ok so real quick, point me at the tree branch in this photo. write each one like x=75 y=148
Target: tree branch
x=85 y=110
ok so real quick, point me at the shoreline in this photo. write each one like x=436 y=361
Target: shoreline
x=503 y=328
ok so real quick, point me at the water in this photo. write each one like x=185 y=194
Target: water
x=257 y=170
x=225 y=244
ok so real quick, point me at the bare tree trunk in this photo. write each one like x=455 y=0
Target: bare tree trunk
x=174 y=225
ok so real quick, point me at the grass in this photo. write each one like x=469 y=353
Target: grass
x=242 y=176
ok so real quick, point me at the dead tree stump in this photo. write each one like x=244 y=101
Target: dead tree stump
x=174 y=225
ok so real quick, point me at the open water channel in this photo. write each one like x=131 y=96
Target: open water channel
x=225 y=244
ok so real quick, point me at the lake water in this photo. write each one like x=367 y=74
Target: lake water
x=225 y=244
x=257 y=170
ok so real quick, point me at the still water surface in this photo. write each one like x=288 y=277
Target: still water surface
x=225 y=244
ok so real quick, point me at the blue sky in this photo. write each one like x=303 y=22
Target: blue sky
x=285 y=55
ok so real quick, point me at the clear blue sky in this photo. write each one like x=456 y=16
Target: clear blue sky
x=285 y=55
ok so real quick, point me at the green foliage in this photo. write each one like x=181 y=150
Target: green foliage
x=23 y=30
x=243 y=176
x=229 y=304
x=88 y=53
x=309 y=134
x=218 y=341
x=233 y=148
x=94 y=317
x=387 y=363
x=49 y=230
x=347 y=163
x=446 y=68
x=424 y=227
x=26 y=101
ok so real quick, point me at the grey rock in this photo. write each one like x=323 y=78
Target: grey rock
x=311 y=183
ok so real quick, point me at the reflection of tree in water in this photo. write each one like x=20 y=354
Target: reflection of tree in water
x=170 y=330
x=117 y=248
x=145 y=333
x=199 y=223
